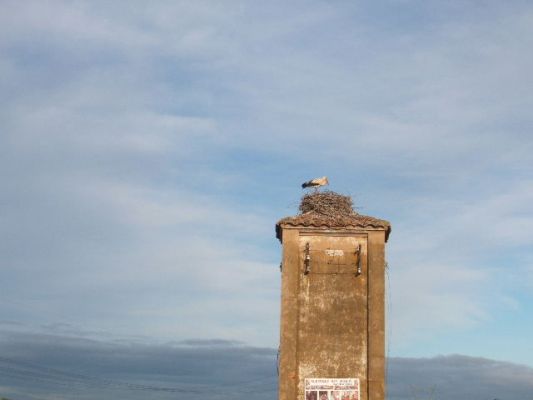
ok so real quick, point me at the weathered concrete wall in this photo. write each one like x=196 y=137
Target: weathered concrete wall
x=376 y=315
x=288 y=365
x=332 y=318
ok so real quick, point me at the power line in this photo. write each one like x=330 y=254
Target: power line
x=24 y=370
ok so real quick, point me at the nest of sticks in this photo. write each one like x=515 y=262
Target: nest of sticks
x=327 y=203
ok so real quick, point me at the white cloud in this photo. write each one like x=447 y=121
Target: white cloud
x=435 y=297
x=451 y=268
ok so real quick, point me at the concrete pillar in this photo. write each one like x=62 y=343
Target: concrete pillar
x=332 y=339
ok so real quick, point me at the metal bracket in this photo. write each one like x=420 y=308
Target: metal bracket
x=359 y=270
x=307 y=259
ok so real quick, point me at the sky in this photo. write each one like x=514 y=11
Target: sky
x=148 y=149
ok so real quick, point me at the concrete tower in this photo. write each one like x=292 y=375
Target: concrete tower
x=332 y=342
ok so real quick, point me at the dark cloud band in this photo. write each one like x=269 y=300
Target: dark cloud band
x=36 y=365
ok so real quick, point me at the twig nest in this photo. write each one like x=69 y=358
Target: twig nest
x=327 y=203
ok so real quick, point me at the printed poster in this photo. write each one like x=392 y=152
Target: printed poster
x=332 y=389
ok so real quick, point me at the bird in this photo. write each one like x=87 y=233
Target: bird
x=316 y=183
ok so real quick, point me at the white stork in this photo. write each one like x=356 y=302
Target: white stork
x=316 y=183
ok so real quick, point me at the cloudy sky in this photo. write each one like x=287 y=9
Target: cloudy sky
x=147 y=150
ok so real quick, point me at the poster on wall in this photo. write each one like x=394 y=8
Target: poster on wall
x=332 y=389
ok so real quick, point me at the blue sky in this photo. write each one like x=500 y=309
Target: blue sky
x=147 y=150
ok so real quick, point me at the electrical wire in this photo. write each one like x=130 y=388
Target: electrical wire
x=23 y=371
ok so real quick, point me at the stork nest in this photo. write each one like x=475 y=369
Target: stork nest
x=327 y=203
